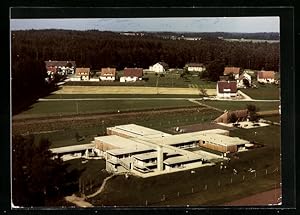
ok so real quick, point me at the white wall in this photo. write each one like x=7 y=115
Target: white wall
x=108 y=78
x=195 y=69
x=157 y=68
x=266 y=80
x=128 y=79
x=225 y=95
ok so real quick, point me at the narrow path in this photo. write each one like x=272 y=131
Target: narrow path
x=244 y=95
x=205 y=105
x=80 y=202
x=103 y=185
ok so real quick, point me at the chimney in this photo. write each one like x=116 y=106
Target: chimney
x=160 y=155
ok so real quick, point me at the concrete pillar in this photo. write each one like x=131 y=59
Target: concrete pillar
x=160 y=156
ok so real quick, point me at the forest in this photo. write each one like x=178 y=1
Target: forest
x=97 y=49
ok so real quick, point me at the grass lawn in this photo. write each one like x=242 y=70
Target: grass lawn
x=174 y=80
x=162 y=121
x=92 y=173
x=184 y=188
x=272 y=118
x=237 y=105
x=57 y=108
x=267 y=91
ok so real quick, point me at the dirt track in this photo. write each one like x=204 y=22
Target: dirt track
x=130 y=90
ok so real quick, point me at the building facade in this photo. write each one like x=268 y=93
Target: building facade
x=226 y=89
x=108 y=74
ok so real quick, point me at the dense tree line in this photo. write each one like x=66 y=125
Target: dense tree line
x=97 y=49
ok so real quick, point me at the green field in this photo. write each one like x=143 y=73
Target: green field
x=174 y=80
x=238 y=105
x=136 y=191
x=267 y=91
x=56 y=108
x=161 y=122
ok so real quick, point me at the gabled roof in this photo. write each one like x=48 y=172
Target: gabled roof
x=266 y=74
x=82 y=71
x=233 y=70
x=108 y=71
x=165 y=65
x=244 y=75
x=57 y=63
x=227 y=86
x=194 y=65
x=133 y=72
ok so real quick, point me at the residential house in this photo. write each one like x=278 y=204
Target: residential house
x=244 y=78
x=226 y=89
x=235 y=71
x=195 y=67
x=108 y=74
x=266 y=76
x=132 y=75
x=159 y=67
x=60 y=67
x=81 y=74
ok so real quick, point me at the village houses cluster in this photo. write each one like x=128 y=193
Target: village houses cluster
x=232 y=79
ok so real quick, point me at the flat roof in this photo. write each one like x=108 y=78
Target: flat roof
x=187 y=137
x=182 y=159
x=134 y=130
x=119 y=142
x=73 y=148
x=223 y=140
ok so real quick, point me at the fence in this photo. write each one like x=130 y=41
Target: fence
x=214 y=186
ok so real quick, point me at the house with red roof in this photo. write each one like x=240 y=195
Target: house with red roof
x=132 y=75
x=266 y=76
x=226 y=89
x=235 y=71
x=108 y=74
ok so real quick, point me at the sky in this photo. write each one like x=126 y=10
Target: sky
x=208 y=24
